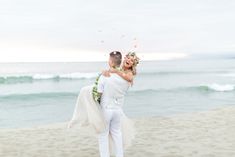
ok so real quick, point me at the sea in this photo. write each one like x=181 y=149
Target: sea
x=33 y=94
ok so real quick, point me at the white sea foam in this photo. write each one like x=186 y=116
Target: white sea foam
x=221 y=88
x=43 y=76
x=21 y=77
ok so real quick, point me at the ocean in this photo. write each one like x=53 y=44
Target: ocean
x=33 y=94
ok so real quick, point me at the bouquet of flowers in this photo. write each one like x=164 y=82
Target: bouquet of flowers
x=96 y=95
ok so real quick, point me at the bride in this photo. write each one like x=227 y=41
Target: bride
x=88 y=110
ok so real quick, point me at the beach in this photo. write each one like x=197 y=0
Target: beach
x=197 y=134
x=175 y=59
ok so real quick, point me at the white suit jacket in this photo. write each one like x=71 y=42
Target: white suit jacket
x=113 y=89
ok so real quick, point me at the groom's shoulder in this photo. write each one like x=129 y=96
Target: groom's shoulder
x=101 y=79
x=112 y=76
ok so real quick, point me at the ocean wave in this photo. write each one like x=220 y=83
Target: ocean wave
x=26 y=96
x=221 y=88
x=27 y=78
x=11 y=79
x=200 y=88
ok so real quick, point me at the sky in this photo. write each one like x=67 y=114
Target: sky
x=77 y=30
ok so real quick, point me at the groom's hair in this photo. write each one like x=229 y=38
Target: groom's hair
x=116 y=57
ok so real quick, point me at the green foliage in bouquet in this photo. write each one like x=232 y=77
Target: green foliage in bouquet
x=96 y=95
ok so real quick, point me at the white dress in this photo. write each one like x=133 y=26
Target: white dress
x=88 y=112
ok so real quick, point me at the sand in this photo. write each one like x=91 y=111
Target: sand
x=199 y=134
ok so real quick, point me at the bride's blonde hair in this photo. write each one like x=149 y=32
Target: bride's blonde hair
x=136 y=62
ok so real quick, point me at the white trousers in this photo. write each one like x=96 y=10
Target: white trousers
x=113 y=120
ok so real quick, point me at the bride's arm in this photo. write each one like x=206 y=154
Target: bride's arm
x=126 y=76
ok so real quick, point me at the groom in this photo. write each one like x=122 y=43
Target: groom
x=112 y=90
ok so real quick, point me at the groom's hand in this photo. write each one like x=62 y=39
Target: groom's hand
x=106 y=73
x=112 y=70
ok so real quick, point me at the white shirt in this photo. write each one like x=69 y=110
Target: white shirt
x=113 y=90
